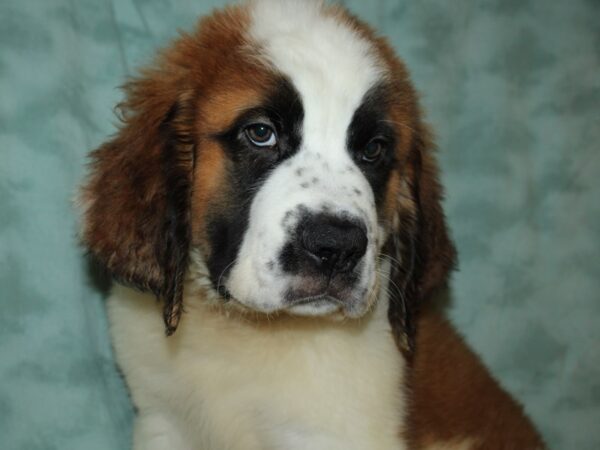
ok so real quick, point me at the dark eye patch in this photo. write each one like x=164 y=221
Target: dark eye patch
x=371 y=124
x=282 y=110
x=249 y=168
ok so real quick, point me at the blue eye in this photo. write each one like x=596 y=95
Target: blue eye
x=261 y=135
x=373 y=150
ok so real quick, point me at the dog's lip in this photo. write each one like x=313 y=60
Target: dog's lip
x=315 y=305
x=304 y=306
x=312 y=299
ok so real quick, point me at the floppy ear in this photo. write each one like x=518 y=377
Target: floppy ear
x=136 y=218
x=429 y=249
x=436 y=255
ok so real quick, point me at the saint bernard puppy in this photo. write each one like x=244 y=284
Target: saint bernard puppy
x=273 y=185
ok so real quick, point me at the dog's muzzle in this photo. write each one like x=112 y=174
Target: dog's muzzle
x=324 y=255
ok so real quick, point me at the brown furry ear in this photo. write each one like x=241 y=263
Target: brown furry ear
x=136 y=219
x=430 y=250
x=436 y=255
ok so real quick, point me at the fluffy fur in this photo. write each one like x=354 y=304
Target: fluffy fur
x=228 y=382
x=274 y=186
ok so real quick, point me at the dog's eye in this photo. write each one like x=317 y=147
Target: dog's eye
x=261 y=135
x=373 y=150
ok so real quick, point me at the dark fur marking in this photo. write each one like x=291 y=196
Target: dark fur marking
x=368 y=122
x=250 y=168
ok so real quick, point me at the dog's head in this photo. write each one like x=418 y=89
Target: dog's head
x=280 y=149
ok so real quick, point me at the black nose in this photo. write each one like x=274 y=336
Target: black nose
x=331 y=243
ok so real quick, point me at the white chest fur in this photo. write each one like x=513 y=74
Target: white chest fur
x=222 y=383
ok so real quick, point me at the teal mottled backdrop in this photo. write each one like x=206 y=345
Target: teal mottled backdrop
x=512 y=88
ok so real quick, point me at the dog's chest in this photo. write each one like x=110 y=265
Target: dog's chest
x=296 y=385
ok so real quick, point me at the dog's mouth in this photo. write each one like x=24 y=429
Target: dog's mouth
x=320 y=305
x=315 y=305
x=314 y=299
x=319 y=295
x=307 y=296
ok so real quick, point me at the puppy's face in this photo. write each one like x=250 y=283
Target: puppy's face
x=281 y=147
x=300 y=230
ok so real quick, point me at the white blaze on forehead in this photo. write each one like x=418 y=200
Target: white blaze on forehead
x=331 y=66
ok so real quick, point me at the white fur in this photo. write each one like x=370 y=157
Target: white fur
x=225 y=382
x=332 y=68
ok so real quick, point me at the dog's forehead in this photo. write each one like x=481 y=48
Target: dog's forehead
x=329 y=63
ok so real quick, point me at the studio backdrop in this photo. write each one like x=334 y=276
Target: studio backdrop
x=512 y=90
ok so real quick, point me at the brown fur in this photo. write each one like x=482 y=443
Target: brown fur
x=454 y=397
x=210 y=188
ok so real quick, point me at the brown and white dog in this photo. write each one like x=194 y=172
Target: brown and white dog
x=274 y=186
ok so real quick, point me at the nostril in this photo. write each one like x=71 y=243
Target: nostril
x=325 y=255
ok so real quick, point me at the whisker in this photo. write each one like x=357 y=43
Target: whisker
x=391 y=258
x=392 y=283
x=397 y=265
x=223 y=273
